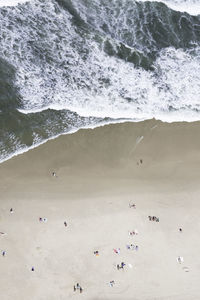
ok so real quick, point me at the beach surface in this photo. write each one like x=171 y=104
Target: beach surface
x=99 y=175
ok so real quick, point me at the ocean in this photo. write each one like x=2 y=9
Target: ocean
x=71 y=64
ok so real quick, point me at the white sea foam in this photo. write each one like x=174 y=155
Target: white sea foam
x=190 y=6
x=11 y=2
x=95 y=84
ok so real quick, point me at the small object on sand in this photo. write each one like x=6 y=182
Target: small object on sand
x=32 y=269
x=111 y=283
x=117 y=251
x=132 y=205
x=134 y=232
x=179 y=259
x=3 y=233
x=65 y=223
x=11 y=211
x=96 y=253
x=78 y=286
x=43 y=219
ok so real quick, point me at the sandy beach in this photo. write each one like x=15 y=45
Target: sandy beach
x=100 y=174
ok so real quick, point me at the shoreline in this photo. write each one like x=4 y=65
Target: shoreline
x=99 y=173
x=101 y=124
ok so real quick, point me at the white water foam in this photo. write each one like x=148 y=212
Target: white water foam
x=190 y=6
x=95 y=84
x=11 y=2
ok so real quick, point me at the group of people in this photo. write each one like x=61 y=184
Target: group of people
x=134 y=232
x=132 y=247
x=121 y=266
x=78 y=287
x=153 y=219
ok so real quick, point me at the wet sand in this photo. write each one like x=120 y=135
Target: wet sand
x=100 y=172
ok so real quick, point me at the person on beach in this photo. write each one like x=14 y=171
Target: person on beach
x=11 y=210
x=112 y=283
x=32 y=269
x=117 y=251
x=180 y=230
x=81 y=290
x=74 y=288
x=65 y=223
x=3 y=253
x=132 y=205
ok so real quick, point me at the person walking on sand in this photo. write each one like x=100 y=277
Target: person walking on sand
x=78 y=286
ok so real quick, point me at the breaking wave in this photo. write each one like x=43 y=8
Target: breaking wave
x=67 y=64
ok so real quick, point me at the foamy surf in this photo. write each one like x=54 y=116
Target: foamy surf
x=12 y=2
x=67 y=65
x=190 y=6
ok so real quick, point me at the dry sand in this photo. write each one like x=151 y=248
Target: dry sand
x=99 y=175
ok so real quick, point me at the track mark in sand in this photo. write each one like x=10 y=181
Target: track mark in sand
x=138 y=140
x=155 y=126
